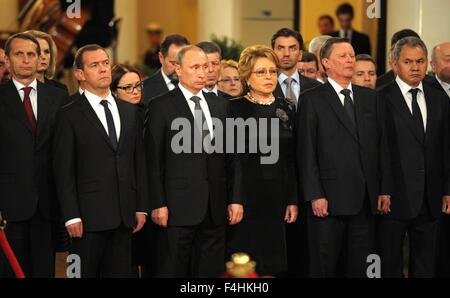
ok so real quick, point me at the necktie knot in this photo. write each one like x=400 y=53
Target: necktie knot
x=289 y=81
x=195 y=99
x=414 y=92
x=345 y=92
x=174 y=82
x=27 y=90
x=104 y=103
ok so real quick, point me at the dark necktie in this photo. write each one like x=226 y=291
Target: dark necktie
x=199 y=118
x=111 y=127
x=416 y=113
x=28 y=108
x=174 y=82
x=348 y=105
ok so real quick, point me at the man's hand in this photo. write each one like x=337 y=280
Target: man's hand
x=75 y=230
x=446 y=204
x=235 y=213
x=291 y=214
x=384 y=204
x=160 y=216
x=320 y=207
x=140 y=221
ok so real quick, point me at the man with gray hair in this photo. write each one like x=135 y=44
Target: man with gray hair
x=440 y=62
x=416 y=120
x=314 y=47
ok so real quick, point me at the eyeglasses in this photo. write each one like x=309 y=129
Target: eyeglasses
x=229 y=80
x=263 y=72
x=129 y=89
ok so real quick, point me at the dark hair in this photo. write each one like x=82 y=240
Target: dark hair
x=79 y=61
x=118 y=71
x=402 y=34
x=286 y=32
x=24 y=36
x=327 y=47
x=310 y=57
x=327 y=17
x=209 y=47
x=411 y=41
x=345 y=8
x=175 y=39
x=365 y=57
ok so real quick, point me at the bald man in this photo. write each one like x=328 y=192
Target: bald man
x=440 y=62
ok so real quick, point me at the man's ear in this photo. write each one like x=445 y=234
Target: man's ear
x=7 y=62
x=161 y=58
x=178 y=69
x=79 y=75
x=325 y=64
x=301 y=55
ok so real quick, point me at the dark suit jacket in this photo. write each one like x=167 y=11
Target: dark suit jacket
x=360 y=42
x=57 y=84
x=187 y=183
x=385 y=79
x=433 y=82
x=26 y=180
x=96 y=183
x=305 y=84
x=419 y=169
x=154 y=86
x=338 y=161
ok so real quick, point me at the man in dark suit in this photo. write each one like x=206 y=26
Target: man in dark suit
x=214 y=55
x=440 y=62
x=343 y=158
x=27 y=193
x=360 y=41
x=165 y=79
x=389 y=76
x=417 y=119
x=189 y=190
x=287 y=45
x=100 y=170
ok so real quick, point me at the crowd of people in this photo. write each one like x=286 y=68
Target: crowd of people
x=361 y=162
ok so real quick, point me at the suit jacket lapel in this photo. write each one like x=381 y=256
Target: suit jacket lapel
x=93 y=118
x=338 y=108
x=181 y=105
x=278 y=91
x=398 y=101
x=16 y=106
x=44 y=103
x=123 y=122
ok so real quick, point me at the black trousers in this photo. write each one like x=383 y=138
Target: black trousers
x=104 y=254
x=333 y=237
x=32 y=243
x=422 y=234
x=192 y=251
x=443 y=258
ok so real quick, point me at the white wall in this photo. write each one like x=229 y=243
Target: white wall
x=128 y=35
x=218 y=17
x=8 y=14
x=429 y=18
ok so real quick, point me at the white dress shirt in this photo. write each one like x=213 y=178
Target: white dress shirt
x=95 y=100
x=33 y=94
x=215 y=90
x=169 y=83
x=349 y=34
x=338 y=88
x=203 y=104
x=295 y=83
x=404 y=88
x=444 y=85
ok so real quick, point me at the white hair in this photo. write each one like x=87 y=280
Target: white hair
x=317 y=42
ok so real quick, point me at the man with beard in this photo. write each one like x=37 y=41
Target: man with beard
x=165 y=79
x=287 y=45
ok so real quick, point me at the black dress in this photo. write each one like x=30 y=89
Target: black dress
x=267 y=189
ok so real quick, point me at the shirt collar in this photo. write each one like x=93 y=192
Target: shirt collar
x=165 y=77
x=338 y=88
x=214 y=90
x=404 y=87
x=188 y=94
x=95 y=100
x=282 y=77
x=19 y=85
x=445 y=85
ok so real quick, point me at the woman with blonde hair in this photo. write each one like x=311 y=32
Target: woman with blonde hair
x=229 y=83
x=47 y=61
x=269 y=191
